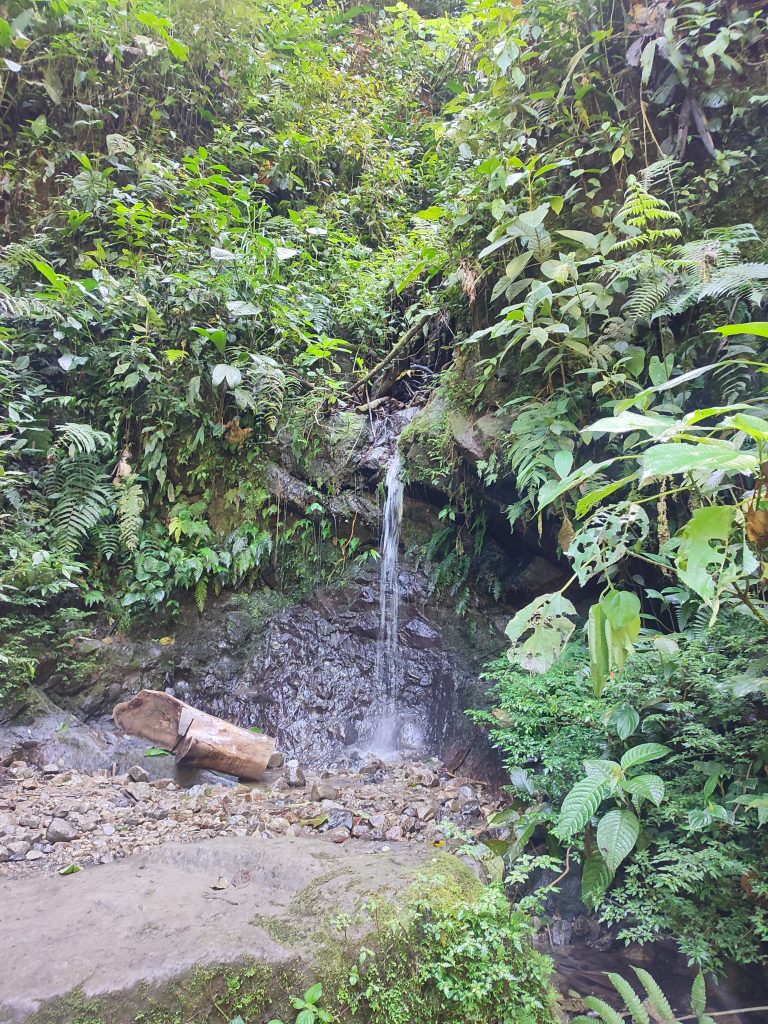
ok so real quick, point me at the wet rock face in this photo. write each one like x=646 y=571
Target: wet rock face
x=308 y=675
x=303 y=672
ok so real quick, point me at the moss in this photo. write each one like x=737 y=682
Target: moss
x=448 y=950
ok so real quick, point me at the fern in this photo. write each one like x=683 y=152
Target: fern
x=649 y=220
x=268 y=387
x=81 y=494
x=635 y=1008
x=107 y=541
x=201 y=593
x=79 y=439
x=130 y=505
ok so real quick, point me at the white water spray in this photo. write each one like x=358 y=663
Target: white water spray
x=388 y=668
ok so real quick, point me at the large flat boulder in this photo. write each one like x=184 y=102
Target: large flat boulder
x=122 y=933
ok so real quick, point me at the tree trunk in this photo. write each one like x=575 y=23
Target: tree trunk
x=195 y=738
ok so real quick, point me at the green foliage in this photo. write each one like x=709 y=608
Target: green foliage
x=636 y=1007
x=459 y=957
x=676 y=745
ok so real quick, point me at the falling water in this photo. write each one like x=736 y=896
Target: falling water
x=387 y=653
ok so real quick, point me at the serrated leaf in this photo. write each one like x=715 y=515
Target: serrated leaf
x=580 y=805
x=632 y=1000
x=647 y=787
x=607 y=1013
x=617 y=833
x=642 y=753
x=699 y=995
x=658 y=1002
x=596 y=876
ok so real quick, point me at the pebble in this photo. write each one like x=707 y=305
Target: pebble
x=138 y=774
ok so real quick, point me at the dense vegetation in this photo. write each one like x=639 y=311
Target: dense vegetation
x=228 y=220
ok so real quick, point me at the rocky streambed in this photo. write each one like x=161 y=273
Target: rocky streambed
x=56 y=820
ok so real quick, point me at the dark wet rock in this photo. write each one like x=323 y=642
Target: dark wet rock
x=339 y=818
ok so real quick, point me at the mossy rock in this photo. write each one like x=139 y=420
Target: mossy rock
x=392 y=937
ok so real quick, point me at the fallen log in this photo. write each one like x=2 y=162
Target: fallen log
x=195 y=738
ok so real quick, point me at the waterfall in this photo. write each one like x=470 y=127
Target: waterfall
x=387 y=661
x=384 y=710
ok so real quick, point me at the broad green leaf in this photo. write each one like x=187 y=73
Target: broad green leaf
x=583 y=238
x=646 y=787
x=157 y=752
x=627 y=422
x=643 y=753
x=313 y=994
x=580 y=806
x=673 y=458
x=620 y=607
x=754 y=426
x=225 y=371
x=625 y=720
x=516 y=266
x=432 y=213
x=617 y=833
x=759 y=328
x=540 y=631
x=596 y=876
x=599 y=666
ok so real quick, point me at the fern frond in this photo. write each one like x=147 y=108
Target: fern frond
x=201 y=593
x=79 y=439
x=130 y=505
x=81 y=496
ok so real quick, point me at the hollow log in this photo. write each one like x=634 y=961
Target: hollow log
x=195 y=738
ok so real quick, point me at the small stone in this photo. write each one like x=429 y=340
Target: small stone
x=5 y=854
x=61 y=831
x=277 y=760
x=138 y=774
x=466 y=793
x=360 y=832
x=279 y=825
x=394 y=833
x=339 y=818
x=338 y=835
x=323 y=791
x=139 y=791
x=471 y=809
x=377 y=821
x=294 y=775
x=108 y=830
x=29 y=784
x=35 y=855
x=50 y=769
x=279 y=786
x=18 y=849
